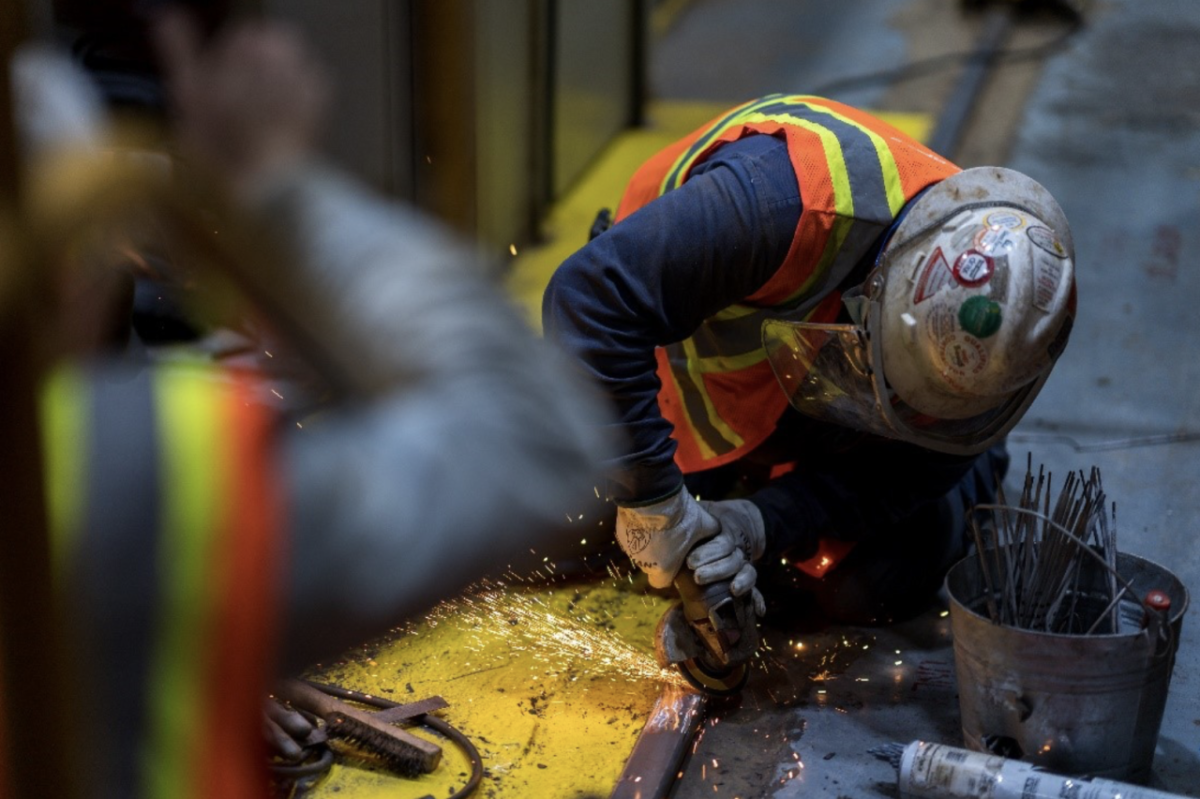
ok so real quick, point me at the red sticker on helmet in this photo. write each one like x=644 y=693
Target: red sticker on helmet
x=935 y=276
x=973 y=268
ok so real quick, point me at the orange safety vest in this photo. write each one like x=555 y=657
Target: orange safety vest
x=200 y=540
x=855 y=174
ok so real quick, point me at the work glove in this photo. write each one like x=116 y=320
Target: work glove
x=287 y=731
x=658 y=537
x=728 y=555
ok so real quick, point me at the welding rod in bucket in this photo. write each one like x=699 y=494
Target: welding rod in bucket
x=936 y=771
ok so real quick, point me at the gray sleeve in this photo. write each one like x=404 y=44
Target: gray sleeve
x=472 y=443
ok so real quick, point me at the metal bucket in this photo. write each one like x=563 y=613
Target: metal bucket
x=1074 y=704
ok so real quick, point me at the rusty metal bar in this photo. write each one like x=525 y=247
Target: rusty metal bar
x=662 y=745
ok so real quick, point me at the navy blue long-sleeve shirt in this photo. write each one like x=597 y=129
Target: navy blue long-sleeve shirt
x=651 y=279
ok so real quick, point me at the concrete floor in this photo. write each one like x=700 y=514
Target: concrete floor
x=1109 y=123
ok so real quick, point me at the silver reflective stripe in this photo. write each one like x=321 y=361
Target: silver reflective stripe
x=115 y=557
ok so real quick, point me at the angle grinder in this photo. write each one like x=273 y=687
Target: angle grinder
x=710 y=635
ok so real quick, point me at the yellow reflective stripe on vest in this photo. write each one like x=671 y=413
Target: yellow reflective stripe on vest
x=64 y=403
x=732 y=119
x=192 y=429
x=696 y=389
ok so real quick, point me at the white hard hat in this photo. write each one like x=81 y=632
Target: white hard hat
x=957 y=328
x=976 y=293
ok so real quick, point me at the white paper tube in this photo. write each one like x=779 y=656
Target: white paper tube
x=935 y=771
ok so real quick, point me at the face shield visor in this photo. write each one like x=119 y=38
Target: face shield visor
x=832 y=372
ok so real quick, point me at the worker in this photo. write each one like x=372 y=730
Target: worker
x=909 y=310
x=203 y=545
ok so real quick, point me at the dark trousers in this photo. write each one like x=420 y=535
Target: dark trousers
x=898 y=575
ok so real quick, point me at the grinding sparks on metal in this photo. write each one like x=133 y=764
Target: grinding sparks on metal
x=526 y=623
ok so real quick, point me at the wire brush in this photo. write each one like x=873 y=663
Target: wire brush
x=403 y=752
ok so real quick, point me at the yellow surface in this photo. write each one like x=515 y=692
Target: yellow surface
x=552 y=684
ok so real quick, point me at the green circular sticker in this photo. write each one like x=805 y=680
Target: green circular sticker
x=980 y=316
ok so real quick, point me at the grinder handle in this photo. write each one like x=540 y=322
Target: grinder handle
x=710 y=605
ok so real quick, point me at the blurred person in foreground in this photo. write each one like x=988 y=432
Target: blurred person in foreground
x=823 y=330
x=203 y=546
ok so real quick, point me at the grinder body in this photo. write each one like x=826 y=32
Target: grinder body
x=721 y=636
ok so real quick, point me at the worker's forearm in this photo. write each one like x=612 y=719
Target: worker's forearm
x=403 y=505
x=475 y=440
x=401 y=295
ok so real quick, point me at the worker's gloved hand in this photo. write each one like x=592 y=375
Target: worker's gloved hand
x=728 y=555
x=287 y=731
x=658 y=537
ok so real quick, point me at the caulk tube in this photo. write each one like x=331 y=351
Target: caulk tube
x=935 y=771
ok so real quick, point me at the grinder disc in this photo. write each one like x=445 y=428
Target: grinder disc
x=714 y=681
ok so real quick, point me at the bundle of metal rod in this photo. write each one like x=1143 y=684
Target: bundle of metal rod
x=1051 y=564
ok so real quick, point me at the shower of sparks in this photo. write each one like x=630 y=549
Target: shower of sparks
x=527 y=624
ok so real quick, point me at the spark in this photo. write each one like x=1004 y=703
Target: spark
x=512 y=248
x=528 y=624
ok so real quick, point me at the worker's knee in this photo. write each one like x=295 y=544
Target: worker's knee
x=898 y=575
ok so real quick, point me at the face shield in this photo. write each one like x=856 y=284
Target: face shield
x=830 y=372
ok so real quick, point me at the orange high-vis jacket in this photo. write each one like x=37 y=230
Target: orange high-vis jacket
x=855 y=174
x=166 y=528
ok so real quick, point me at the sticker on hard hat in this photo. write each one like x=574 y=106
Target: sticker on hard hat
x=1047 y=277
x=963 y=356
x=1004 y=219
x=1045 y=239
x=980 y=316
x=973 y=268
x=994 y=240
x=935 y=276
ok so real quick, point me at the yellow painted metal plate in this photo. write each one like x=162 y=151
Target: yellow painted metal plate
x=553 y=684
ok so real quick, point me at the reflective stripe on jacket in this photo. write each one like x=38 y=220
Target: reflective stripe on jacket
x=165 y=520
x=855 y=174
